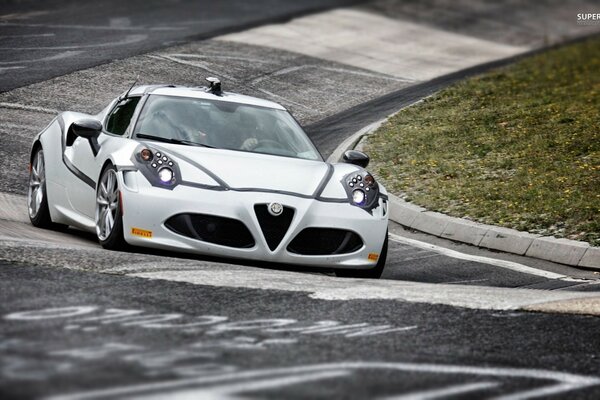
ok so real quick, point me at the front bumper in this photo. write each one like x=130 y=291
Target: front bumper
x=146 y=208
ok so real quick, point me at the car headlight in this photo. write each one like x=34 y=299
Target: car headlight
x=362 y=189
x=157 y=167
x=359 y=197
x=166 y=175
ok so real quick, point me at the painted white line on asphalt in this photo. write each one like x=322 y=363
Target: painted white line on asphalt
x=465 y=281
x=444 y=392
x=423 y=257
x=27 y=36
x=4 y=69
x=283 y=99
x=289 y=70
x=95 y=27
x=513 y=266
x=197 y=64
x=24 y=15
x=219 y=56
x=323 y=287
x=231 y=391
x=218 y=384
x=23 y=107
x=129 y=39
x=58 y=56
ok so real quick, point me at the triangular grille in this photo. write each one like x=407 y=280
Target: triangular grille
x=273 y=228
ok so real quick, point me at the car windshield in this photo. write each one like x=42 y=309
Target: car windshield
x=224 y=125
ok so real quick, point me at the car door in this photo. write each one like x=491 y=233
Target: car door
x=87 y=157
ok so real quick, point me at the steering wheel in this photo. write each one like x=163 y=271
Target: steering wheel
x=182 y=133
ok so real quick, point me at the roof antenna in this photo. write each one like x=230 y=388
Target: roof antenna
x=214 y=86
x=137 y=78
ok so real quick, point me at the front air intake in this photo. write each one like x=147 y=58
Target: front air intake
x=273 y=227
x=212 y=229
x=325 y=241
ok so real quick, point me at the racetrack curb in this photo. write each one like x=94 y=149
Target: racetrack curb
x=564 y=251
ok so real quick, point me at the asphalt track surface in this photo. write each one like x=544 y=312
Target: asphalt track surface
x=81 y=335
x=41 y=40
x=75 y=321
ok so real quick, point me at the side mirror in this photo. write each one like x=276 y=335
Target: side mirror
x=357 y=158
x=87 y=128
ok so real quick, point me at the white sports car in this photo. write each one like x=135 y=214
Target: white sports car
x=204 y=171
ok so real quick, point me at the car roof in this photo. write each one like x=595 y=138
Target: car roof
x=202 y=93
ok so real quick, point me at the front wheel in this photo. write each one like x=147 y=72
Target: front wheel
x=373 y=273
x=37 y=198
x=109 y=218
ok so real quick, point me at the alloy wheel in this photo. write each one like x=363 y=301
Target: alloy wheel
x=107 y=204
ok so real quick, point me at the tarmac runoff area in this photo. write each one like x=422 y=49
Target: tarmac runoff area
x=318 y=80
x=22 y=243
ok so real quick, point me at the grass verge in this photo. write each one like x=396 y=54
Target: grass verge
x=518 y=147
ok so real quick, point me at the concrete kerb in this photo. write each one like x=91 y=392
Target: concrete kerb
x=563 y=251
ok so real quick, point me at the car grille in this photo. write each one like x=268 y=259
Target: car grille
x=210 y=228
x=325 y=241
x=273 y=228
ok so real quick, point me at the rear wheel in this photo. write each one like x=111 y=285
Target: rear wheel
x=109 y=219
x=373 y=273
x=37 y=199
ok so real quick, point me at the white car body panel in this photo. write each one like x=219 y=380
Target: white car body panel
x=260 y=171
x=218 y=182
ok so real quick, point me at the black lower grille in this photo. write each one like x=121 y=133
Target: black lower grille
x=325 y=241
x=273 y=227
x=209 y=228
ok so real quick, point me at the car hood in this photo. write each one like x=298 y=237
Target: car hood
x=244 y=170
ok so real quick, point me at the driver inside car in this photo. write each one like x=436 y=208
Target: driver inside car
x=248 y=135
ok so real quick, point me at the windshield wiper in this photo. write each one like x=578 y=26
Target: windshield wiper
x=172 y=140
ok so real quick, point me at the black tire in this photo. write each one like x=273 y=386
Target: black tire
x=373 y=273
x=37 y=208
x=112 y=240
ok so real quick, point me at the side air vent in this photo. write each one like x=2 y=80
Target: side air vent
x=325 y=241
x=212 y=229
x=273 y=227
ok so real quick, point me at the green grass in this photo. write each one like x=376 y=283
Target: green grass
x=517 y=147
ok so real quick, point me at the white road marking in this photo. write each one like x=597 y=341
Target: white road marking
x=289 y=70
x=444 y=392
x=513 y=266
x=24 y=107
x=230 y=391
x=421 y=257
x=219 y=57
x=58 y=56
x=25 y=15
x=12 y=207
x=284 y=100
x=95 y=27
x=177 y=58
x=28 y=35
x=197 y=64
x=4 y=69
x=129 y=39
x=465 y=281
x=329 y=288
x=191 y=388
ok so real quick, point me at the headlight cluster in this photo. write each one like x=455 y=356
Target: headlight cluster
x=362 y=189
x=157 y=167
